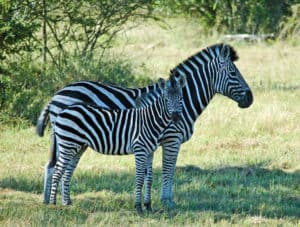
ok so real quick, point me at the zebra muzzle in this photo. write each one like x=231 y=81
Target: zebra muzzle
x=176 y=117
x=247 y=100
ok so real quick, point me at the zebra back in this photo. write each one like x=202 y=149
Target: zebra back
x=147 y=98
x=91 y=92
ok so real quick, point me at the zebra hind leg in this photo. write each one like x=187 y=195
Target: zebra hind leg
x=58 y=171
x=63 y=160
x=49 y=169
x=148 y=183
x=47 y=182
x=66 y=178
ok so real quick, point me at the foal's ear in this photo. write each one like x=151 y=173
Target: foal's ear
x=174 y=74
x=182 y=80
x=161 y=83
x=177 y=79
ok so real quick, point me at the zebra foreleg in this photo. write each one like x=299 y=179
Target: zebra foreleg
x=148 y=183
x=140 y=166
x=66 y=178
x=170 y=154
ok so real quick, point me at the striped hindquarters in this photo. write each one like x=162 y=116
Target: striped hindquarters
x=89 y=92
x=105 y=131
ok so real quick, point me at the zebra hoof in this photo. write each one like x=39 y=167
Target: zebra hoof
x=46 y=198
x=148 y=206
x=168 y=203
x=52 y=202
x=138 y=208
x=67 y=203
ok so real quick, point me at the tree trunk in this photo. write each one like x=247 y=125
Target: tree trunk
x=44 y=35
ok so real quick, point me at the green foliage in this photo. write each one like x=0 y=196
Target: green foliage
x=291 y=27
x=88 y=25
x=72 y=31
x=237 y=16
x=26 y=87
x=71 y=27
x=251 y=16
x=17 y=28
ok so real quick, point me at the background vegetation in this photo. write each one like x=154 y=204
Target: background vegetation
x=240 y=168
x=234 y=16
x=46 y=44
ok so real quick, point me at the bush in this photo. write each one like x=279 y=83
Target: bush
x=291 y=27
x=25 y=89
x=233 y=16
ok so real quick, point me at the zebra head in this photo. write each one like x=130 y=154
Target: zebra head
x=172 y=94
x=228 y=80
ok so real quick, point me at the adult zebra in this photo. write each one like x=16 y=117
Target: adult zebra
x=116 y=132
x=208 y=72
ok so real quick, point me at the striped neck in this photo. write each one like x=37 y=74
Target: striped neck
x=157 y=114
x=200 y=72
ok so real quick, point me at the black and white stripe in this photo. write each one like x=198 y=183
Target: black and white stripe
x=208 y=72
x=135 y=131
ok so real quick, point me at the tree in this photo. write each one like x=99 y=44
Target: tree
x=82 y=26
x=17 y=28
x=234 y=16
x=69 y=27
x=66 y=34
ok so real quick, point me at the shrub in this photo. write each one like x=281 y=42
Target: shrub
x=291 y=27
x=233 y=16
x=25 y=89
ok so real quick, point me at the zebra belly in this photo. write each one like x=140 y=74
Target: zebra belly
x=115 y=148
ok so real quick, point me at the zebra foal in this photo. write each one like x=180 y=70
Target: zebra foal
x=135 y=131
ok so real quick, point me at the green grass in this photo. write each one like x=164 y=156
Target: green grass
x=241 y=167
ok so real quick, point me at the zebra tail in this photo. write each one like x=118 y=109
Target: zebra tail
x=42 y=121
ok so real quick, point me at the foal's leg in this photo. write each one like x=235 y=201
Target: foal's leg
x=148 y=182
x=170 y=154
x=140 y=166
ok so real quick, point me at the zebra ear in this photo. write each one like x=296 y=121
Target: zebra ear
x=225 y=52
x=174 y=74
x=182 y=80
x=177 y=79
x=161 y=83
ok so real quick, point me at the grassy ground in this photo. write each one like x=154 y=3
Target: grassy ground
x=241 y=167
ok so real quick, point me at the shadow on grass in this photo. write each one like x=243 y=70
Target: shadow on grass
x=242 y=190
x=247 y=190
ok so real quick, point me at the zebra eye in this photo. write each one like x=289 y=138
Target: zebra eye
x=232 y=72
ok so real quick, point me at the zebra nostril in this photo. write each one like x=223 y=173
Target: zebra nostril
x=176 y=117
x=249 y=97
x=246 y=99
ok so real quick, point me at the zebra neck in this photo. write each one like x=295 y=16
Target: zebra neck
x=157 y=115
x=199 y=87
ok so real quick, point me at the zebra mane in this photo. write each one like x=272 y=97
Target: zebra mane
x=233 y=54
x=207 y=54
